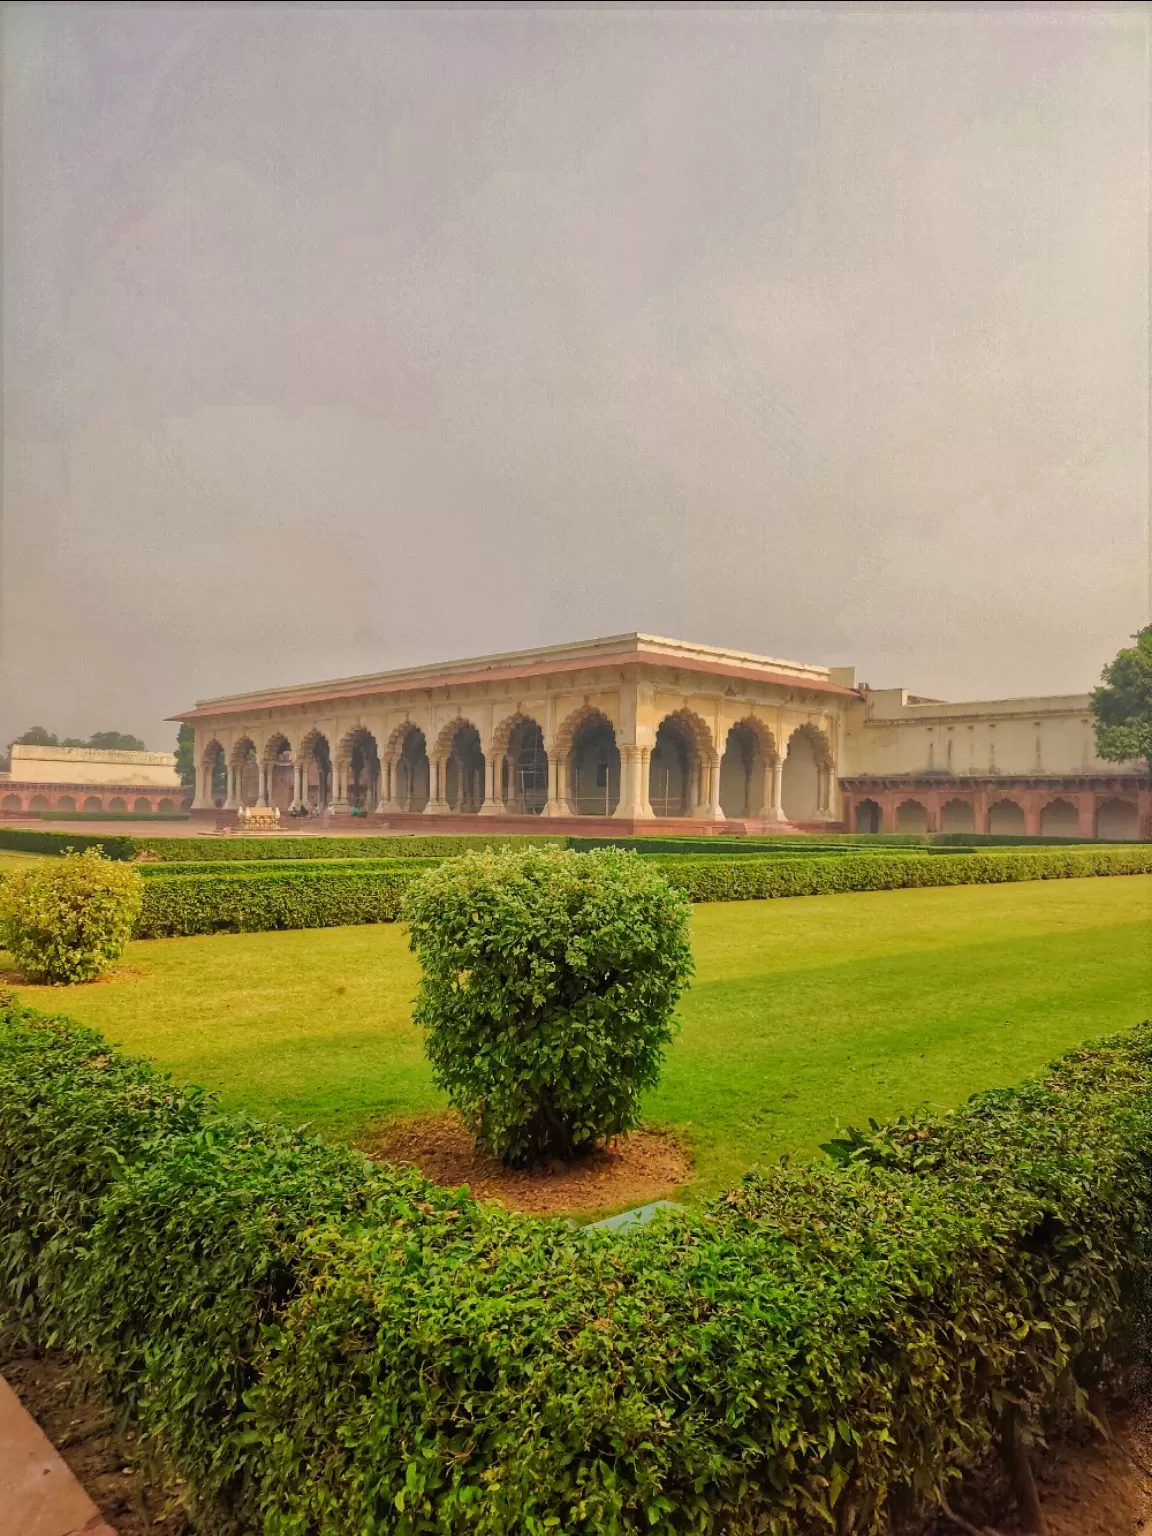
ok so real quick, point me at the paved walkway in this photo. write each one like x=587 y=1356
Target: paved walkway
x=38 y=1494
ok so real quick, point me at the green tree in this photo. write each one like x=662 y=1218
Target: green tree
x=549 y=988
x=1122 y=708
x=37 y=736
x=115 y=741
x=186 y=754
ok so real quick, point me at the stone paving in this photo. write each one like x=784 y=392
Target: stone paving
x=39 y=1496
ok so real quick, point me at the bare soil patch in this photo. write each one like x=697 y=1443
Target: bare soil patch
x=104 y=1460
x=114 y=973
x=1087 y=1485
x=631 y=1170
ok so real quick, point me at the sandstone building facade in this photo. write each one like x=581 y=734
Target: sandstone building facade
x=87 y=779
x=640 y=732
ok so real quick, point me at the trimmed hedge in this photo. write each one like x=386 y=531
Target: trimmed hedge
x=317 y=1344
x=293 y=849
x=303 y=896
x=766 y=879
x=255 y=903
x=26 y=840
x=246 y=849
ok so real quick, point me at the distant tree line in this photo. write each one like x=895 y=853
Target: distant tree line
x=102 y=741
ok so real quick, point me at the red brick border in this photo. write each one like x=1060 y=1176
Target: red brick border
x=39 y=1496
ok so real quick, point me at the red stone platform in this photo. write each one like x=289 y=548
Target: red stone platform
x=39 y=1496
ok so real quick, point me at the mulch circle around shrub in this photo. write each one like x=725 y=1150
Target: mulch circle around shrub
x=631 y=1170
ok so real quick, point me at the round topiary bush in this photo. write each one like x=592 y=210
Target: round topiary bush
x=550 y=980
x=69 y=918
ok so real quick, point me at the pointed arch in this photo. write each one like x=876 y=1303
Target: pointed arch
x=213 y=774
x=590 y=774
x=821 y=746
x=749 y=756
x=399 y=736
x=446 y=739
x=502 y=735
x=682 y=749
x=523 y=769
x=958 y=815
x=806 y=775
x=694 y=728
x=458 y=763
x=565 y=735
x=1118 y=820
x=1006 y=818
x=911 y=816
x=243 y=751
x=357 y=770
x=869 y=816
x=762 y=731
x=406 y=771
x=275 y=745
x=1059 y=817
x=314 y=762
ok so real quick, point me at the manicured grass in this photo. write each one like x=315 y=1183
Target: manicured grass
x=805 y=1015
x=9 y=858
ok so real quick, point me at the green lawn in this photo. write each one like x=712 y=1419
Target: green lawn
x=805 y=1014
x=9 y=858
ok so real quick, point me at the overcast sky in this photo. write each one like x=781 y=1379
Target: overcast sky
x=341 y=338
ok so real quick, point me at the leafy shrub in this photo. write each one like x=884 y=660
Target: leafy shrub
x=69 y=920
x=549 y=985
x=319 y=1344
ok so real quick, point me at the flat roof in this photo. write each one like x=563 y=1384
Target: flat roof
x=611 y=650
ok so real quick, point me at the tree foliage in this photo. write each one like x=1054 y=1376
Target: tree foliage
x=100 y=741
x=68 y=920
x=1123 y=706
x=37 y=736
x=186 y=754
x=550 y=980
x=115 y=741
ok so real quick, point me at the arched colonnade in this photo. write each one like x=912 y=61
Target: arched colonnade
x=1102 y=811
x=585 y=769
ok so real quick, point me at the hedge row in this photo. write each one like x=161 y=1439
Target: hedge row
x=245 y=849
x=792 y=843
x=254 y=903
x=294 y=848
x=320 y=1345
x=766 y=879
x=327 y=896
x=257 y=869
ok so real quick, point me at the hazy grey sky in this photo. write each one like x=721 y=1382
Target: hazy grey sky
x=339 y=338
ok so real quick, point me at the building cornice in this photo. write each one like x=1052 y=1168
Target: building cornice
x=593 y=656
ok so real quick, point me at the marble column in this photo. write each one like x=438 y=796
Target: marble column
x=557 y=804
x=776 y=805
x=436 y=805
x=493 y=805
x=633 y=803
x=340 y=773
